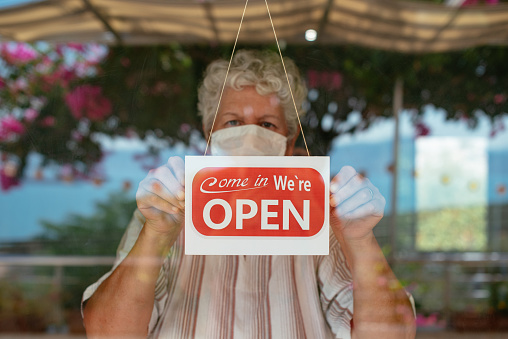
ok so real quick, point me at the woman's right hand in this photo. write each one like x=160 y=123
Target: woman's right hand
x=122 y=304
x=161 y=198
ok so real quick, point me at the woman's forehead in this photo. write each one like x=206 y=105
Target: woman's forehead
x=249 y=101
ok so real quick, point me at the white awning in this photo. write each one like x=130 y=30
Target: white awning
x=406 y=26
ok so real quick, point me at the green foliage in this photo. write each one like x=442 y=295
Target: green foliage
x=153 y=90
x=97 y=234
x=499 y=296
x=452 y=229
x=462 y=83
x=19 y=312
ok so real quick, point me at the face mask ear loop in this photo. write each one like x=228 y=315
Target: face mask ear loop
x=287 y=78
x=226 y=78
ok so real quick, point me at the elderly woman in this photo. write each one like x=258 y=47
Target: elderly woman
x=155 y=290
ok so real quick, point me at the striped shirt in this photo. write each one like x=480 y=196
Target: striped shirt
x=246 y=296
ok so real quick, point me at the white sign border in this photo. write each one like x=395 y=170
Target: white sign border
x=198 y=244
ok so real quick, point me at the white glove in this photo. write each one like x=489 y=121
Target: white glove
x=161 y=196
x=356 y=201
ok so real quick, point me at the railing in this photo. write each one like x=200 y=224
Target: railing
x=11 y=265
x=57 y=261
x=448 y=261
x=451 y=260
x=464 y=258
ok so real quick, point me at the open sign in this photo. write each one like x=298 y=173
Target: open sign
x=256 y=205
x=258 y=201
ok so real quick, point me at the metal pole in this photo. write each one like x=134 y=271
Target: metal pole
x=397 y=107
x=59 y=317
x=447 y=294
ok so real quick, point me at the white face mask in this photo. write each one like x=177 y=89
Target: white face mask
x=247 y=140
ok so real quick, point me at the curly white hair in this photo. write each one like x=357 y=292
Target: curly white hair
x=262 y=69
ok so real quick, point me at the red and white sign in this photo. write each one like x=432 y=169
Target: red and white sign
x=256 y=205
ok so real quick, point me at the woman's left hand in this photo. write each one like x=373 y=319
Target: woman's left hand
x=356 y=203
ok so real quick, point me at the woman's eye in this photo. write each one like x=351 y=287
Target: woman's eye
x=232 y=123
x=267 y=125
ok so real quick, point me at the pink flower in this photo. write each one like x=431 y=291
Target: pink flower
x=59 y=50
x=312 y=79
x=334 y=81
x=8 y=176
x=10 y=127
x=76 y=136
x=81 y=68
x=185 y=128
x=499 y=98
x=19 y=53
x=62 y=76
x=45 y=65
x=421 y=320
x=88 y=102
x=48 y=121
x=66 y=75
x=421 y=129
x=20 y=85
x=31 y=114
x=432 y=320
x=76 y=46
x=324 y=79
x=48 y=81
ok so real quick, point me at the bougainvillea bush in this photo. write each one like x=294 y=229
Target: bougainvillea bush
x=47 y=106
x=55 y=100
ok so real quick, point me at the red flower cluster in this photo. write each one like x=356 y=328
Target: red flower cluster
x=8 y=176
x=18 y=53
x=61 y=76
x=10 y=127
x=87 y=101
x=325 y=79
x=421 y=129
x=38 y=93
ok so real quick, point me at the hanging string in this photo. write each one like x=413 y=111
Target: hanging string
x=226 y=78
x=287 y=78
x=285 y=72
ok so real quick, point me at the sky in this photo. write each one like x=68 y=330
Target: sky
x=10 y=3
